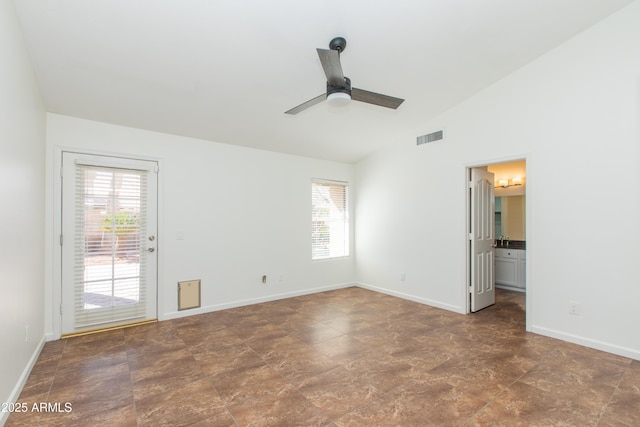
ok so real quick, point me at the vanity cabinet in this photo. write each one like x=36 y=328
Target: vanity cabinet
x=510 y=267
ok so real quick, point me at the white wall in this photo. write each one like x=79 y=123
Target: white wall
x=244 y=213
x=22 y=132
x=573 y=114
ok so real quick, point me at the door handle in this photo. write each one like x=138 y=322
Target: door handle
x=151 y=249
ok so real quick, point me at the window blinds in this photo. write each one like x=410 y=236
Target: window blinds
x=329 y=219
x=109 y=268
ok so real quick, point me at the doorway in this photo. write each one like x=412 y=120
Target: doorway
x=109 y=242
x=510 y=229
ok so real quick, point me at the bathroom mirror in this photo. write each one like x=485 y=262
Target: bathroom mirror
x=510 y=217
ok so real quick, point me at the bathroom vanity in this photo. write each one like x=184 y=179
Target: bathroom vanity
x=510 y=267
x=510 y=255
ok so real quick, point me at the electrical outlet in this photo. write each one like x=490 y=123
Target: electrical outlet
x=574 y=308
x=264 y=279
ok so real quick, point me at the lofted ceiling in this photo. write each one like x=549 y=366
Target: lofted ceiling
x=226 y=71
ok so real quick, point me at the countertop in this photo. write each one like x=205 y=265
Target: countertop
x=513 y=244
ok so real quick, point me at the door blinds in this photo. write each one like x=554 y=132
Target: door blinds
x=109 y=265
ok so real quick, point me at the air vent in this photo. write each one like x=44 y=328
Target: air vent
x=430 y=137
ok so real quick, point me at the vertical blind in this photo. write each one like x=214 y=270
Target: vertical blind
x=109 y=266
x=329 y=219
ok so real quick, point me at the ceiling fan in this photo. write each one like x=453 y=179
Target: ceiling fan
x=339 y=88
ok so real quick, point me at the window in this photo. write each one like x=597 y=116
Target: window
x=110 y=215
x=329 y=219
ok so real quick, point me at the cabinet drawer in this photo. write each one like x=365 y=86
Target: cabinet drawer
x=507 y=253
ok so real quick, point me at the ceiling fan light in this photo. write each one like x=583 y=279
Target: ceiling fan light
x=338 y=99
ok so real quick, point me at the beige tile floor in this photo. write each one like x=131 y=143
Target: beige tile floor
x=349 y=357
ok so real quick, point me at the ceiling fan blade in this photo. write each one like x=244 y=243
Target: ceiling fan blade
x=375 y=98
x=330 y=60
x=308 y=104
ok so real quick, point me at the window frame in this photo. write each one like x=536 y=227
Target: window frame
x=337 y=219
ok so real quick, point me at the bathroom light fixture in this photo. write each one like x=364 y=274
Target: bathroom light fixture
x=506 y=183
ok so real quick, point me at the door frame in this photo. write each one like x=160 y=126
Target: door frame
x=530 y=174
x=54 y=294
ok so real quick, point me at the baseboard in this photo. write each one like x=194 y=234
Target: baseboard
x=15 y=393
x=242 y=303
x=430 y=302
x=575 y=339
x=511 y=288
x=587 y=342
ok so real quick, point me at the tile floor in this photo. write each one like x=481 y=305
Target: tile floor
x=349 y=357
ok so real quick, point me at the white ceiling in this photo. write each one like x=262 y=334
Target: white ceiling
x=226 y=70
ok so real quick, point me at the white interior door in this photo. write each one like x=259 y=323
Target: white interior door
x=109 y=241
x=482 y=239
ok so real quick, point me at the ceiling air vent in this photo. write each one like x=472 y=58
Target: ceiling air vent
x=430 y=137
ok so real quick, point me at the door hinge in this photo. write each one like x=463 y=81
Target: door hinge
x=61 y=240
x=470 y=184
x=470 y=289
x=470 y=236
x=61 y=309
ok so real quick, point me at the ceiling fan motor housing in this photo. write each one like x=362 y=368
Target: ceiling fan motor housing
x=340 y=89
x=338 y=43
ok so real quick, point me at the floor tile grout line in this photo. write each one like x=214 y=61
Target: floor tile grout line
x=226 y=407
x=209 y=377
x=296 y=388
x=55 y=373
x=133 y=397
x=504 y=390
x=615 y=390
x=536 y=357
